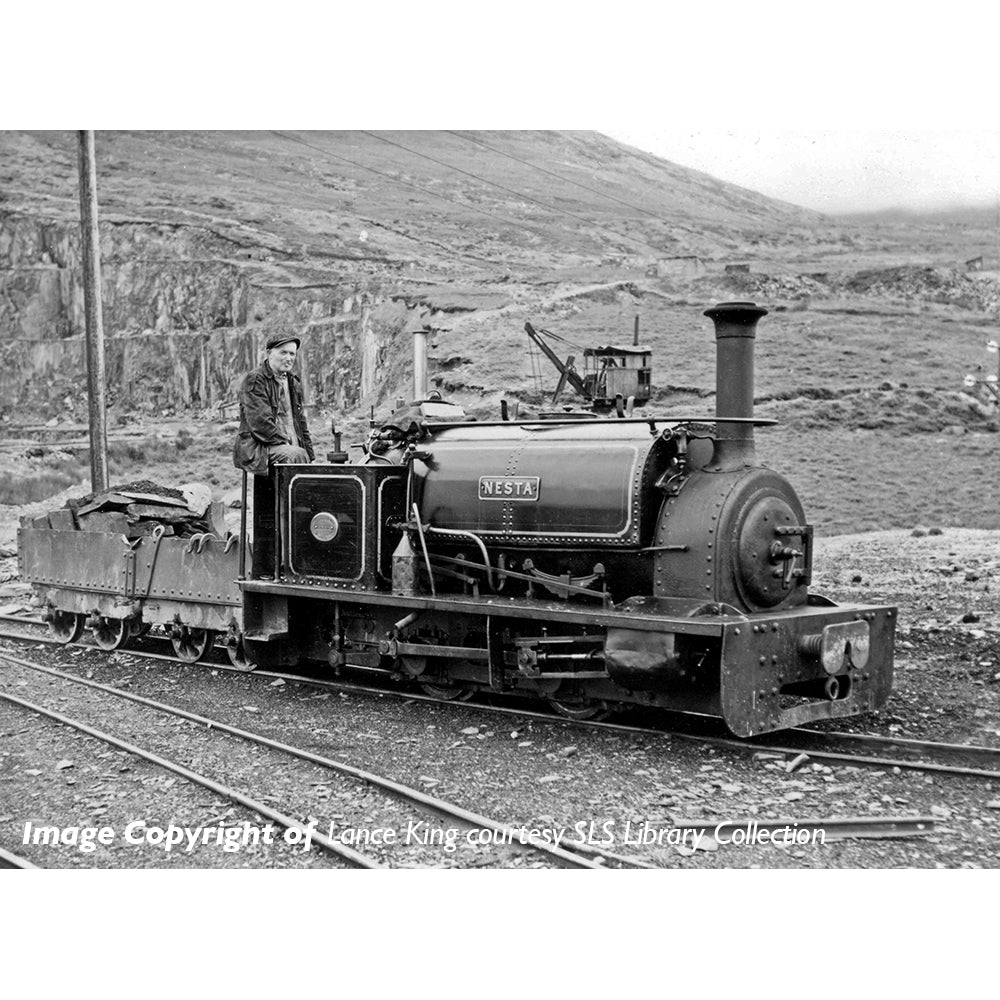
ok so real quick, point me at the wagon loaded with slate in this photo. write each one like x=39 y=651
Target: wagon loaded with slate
x=132 y=557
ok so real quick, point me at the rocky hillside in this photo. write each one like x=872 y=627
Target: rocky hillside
x=375 y=202
x=211 y=241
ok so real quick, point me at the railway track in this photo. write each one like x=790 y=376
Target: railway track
x=988 y=756
x=10 y=860
x=499 y=832
x=233 y=795
x=834 y=748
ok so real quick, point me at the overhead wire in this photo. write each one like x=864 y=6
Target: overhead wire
x=416 y=187
x=673 y=223
x=313 y=244
x=517 y=194
x=558 y=177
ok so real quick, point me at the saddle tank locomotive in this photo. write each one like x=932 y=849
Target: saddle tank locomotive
x=593 y=563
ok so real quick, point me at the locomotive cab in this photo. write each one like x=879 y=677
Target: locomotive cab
x=618 y=371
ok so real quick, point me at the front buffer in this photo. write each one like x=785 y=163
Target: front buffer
x=760 y=673
x=803 y=665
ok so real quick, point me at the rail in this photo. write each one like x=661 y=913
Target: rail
x=788 y=749
x=438 y=806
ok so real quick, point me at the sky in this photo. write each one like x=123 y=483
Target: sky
x=837 y=170
x=849 y=104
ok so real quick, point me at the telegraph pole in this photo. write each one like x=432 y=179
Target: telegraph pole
x=94 y=316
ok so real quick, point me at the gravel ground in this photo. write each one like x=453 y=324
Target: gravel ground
x=947 y=587
x=546 y=775
x=298 y=788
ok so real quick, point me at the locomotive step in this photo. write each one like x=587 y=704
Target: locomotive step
x=263 y=635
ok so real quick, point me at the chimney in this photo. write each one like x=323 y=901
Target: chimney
x=735 y=330
x=419 y=365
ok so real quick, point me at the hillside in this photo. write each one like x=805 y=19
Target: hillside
x=451 y=202
x=210 y=241
x=968 y=216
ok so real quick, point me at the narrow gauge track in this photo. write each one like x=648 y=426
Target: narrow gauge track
x=507 y=834
x=9 y=860
x=232 y=794
x=988 y=756
x=828 y=747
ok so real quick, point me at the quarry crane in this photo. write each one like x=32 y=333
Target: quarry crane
x=612 y=374
x=567 y=373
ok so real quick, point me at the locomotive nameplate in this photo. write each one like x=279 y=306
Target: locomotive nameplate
x=524 y=488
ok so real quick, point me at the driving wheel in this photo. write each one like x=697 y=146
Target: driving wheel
x=447 y=693
x=582 y=710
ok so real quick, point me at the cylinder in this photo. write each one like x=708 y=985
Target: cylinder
x=735 y=331
x=419 y=365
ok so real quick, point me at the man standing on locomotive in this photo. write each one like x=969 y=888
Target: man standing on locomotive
x=273 y=428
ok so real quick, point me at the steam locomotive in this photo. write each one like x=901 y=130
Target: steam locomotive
x=593 y=563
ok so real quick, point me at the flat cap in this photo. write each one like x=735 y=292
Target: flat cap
x=281 y=338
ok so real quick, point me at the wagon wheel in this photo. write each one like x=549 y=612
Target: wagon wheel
x=237 y=652
x=581 y=710
x=191 y=644
x=111 y=633
x=66 y=626
x=139 y=627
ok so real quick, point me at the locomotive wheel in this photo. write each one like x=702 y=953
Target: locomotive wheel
x=112 y=633
x=238 y=655
x=581 y=711
x=447 y=693
x=192 y=643
x=66 y=626
x=414 y=666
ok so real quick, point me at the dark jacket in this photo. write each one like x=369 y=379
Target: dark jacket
x=259 y=397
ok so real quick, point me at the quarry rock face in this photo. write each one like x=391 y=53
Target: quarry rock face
x=186 y=313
